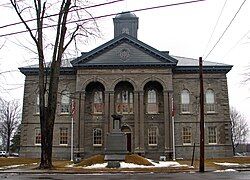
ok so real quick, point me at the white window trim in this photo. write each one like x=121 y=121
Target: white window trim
x=93 y=136
x=216 y=138
x=155 y=144
x=63 y=144
x=37 y=144
x=186 y=144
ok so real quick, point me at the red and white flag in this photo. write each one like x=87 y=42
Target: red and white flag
x=73 y=108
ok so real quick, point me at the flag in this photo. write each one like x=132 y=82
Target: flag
x=73 y=109
x=173 y=108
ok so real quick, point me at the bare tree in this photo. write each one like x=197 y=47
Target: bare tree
x=66 y=25
x=239 y=128
x=9 y=120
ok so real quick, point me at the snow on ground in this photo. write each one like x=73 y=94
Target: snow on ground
x=12 y=166
x=226 y=170
x=131 y=165
x=227 y=164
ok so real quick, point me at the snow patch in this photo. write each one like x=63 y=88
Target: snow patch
x=131 y=165
x=226 y=170
x=227 y=164
x=12 y=166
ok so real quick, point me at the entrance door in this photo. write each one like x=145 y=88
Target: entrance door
x=128 y=142
x=127 y=131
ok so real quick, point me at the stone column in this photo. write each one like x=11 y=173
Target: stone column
x=111 y=109
x=136 y=121
x=170 y=108
x=106 y=116
x=166 y=121
x=81 y=121
x=141 y=97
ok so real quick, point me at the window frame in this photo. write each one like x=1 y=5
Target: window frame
x=153 y=136
x=38 y=138
x=95 y=137
x=65 y=93
x=155 y=103
x=185 y=107
x=210 y=107
x=119 y=98
x=186 y=135
x=62 y=136
x=101 y=103
x=37 y=104
x=212 y=135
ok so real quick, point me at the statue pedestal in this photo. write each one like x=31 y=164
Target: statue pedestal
x=116 y=147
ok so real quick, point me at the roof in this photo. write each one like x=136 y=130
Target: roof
x=125 y=15
x=163 y=59
x=86 y=59
x=192 y=65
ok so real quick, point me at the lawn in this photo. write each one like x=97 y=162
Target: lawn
x=16 y=161
x=210 y=163
x=61 y=165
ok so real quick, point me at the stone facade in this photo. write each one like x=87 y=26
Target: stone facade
x=125 y=76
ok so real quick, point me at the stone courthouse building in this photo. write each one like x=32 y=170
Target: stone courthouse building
x=126 y=76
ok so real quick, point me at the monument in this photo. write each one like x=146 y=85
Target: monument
x=116 y=147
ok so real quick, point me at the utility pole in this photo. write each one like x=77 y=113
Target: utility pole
x=202 y=153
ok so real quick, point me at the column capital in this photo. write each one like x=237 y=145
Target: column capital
x=110 y=92
x=168 y=91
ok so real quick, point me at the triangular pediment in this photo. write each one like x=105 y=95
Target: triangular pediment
x=124 y=50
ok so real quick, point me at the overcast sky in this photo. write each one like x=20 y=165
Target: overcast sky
x=183 y=30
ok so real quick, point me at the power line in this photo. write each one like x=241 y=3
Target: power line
x=92 y=6
x=225 y=29
x=215 y=26
x=107 y=15
x=242 y=37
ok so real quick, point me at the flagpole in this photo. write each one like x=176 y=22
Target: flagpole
x=72 y=131
x=173 y=129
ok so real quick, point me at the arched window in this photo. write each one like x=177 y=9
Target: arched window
x=152 y=106
x=186 y=135
x=98 y=102
x=124 y=102
x=37 y=109
x=185 y=101
x=97 y=137
x=210 y=103
x=153 y=136
x=65 y=102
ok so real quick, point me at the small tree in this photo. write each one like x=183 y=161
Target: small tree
x=9 y=120
x=239 y=128
x=15 y=141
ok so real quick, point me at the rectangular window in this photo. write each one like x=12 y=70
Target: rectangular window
x=212 y=135
x=63 y=136
x=185 y=108
x=97 y=137
x=186 y=135
x=210 y=107
x=38 y=136
x=152 y=136
x=152 y=108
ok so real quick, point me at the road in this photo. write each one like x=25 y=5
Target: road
x=143 y=176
